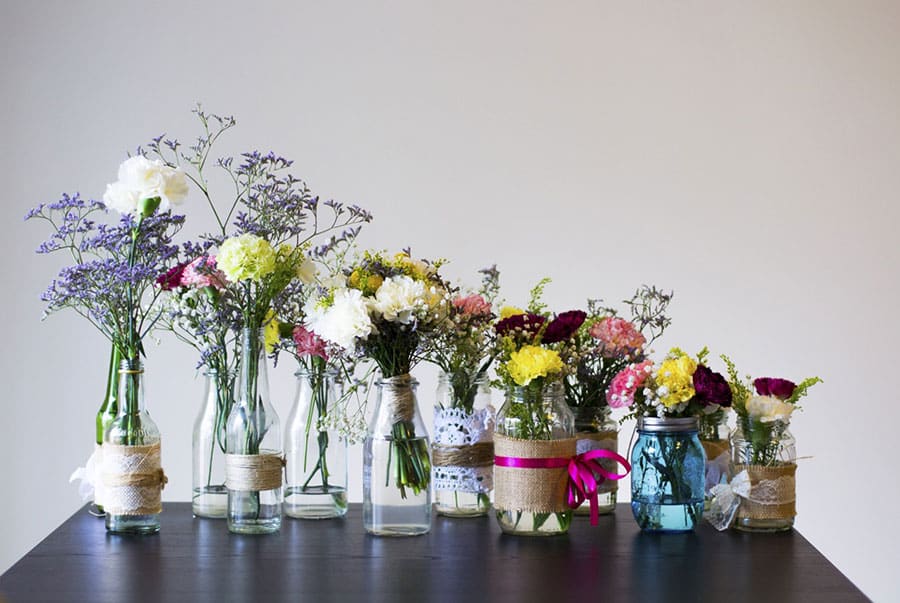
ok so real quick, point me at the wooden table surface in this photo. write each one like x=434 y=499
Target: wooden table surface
x=460 y=560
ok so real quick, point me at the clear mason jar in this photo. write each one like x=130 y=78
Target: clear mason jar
x=397 y=463
x=463 y=450
x=768 y=452
x=253 y=462
x=209 y=495
x=667 y=474
x=132 y=471
x=315 y=455
x=595 y=429
x=714 y=437
x=534 y=423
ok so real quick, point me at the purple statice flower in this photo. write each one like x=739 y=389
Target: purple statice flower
x=772 y=386
x=711 y=387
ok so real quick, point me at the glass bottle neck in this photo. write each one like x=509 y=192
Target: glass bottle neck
x=131 y=387
x=252 y=374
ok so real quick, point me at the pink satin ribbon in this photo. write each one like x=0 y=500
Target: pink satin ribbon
x=585 y=474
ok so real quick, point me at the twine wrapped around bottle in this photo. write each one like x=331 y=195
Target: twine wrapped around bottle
x=133 y=479
x=253 y=472
x=398 y=399
x=532 y=490
x=772 y=492
x=601 y=440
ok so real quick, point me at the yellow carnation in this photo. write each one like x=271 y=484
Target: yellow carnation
x=676 y=375
x=531 y=362
x=507 y=311
x=246 y=257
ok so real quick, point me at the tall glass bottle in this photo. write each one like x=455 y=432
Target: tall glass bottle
x=397 y=463
x=253 y=462
x=210 y=496
x=315 y=455
x=538 y=425
x=132 y=471
x=105 y=415
x=463 y=451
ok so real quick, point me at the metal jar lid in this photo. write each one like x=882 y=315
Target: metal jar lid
x=667 y=424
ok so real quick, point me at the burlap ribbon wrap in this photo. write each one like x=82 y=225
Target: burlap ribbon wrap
x=253 y=472
x=601 y=440
x=133 y=479
x=532 y=490
x=772 y=492
x=714 y=449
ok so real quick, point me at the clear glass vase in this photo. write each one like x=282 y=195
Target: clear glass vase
x=463 y=450
x=315 y=455
x=595 y=429
x=397 y=463
x=533 y=423
x=132 y=472
x=667 y=474
x=768 y=452
x=713 y=433
x=105 y=415
x=253 y=463
x=209 y=495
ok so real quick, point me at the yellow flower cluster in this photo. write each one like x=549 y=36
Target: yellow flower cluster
x=507 y=311
x=271 y=331
x=531 y=362
x=676 y=375
x=366 y=282
x=246 y=257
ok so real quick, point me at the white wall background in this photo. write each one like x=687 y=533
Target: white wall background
x=745 y=154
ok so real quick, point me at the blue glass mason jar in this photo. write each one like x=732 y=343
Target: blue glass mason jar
x=668 y=471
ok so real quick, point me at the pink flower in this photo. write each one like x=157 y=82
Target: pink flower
x=626 y=383
x=617 y=336
x=308 y=343
x=172 y=277
x=473 y=305
x=202 y=272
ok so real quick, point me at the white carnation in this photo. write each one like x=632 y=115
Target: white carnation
x=344 y=322
x=768 y=409
x=141 y=178
x=399 y=299
x=306 y=272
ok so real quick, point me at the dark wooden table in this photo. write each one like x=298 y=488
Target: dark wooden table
x=460 y=560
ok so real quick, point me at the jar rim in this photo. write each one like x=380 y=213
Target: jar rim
x=668 y=424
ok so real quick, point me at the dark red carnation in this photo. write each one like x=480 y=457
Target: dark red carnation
x=771 y=386
x=172 y=277
x=564 y=326
x=711 y=387
x=528 y=323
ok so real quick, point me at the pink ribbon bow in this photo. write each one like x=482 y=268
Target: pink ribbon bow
x=585 y=474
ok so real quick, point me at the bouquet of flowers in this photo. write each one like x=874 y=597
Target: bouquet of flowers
x=387 y=311
x=606 y=343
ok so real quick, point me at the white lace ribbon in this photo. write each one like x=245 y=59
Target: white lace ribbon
x=479 y=480
x=91 y=486
x=726 y=498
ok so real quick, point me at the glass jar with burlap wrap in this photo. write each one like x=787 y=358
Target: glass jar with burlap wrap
x=253 y=459
x=463 y=450
x=132 y=473
x=533 y=442
x=595 y=429
x=397 y=463
x=767 y=452
x=714 y=437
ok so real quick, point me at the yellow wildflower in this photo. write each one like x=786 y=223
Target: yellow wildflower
x=531 y=362
x=271 y=331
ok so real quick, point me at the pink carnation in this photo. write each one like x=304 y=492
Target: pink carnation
x=473 y=305
x=617 y=337
x=626 y=383
x=172 y=277
x=308 y=343
x=202 y=273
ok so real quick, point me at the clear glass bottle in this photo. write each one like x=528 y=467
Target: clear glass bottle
x=253 y=445
x=595 y=429
x=315 y=455
x=397 y=463
x=463 y=450
x=768 y=452
x=105 y=415
x=539 y=414
x=131 y=508
x=667 y=474
x=210 y=496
